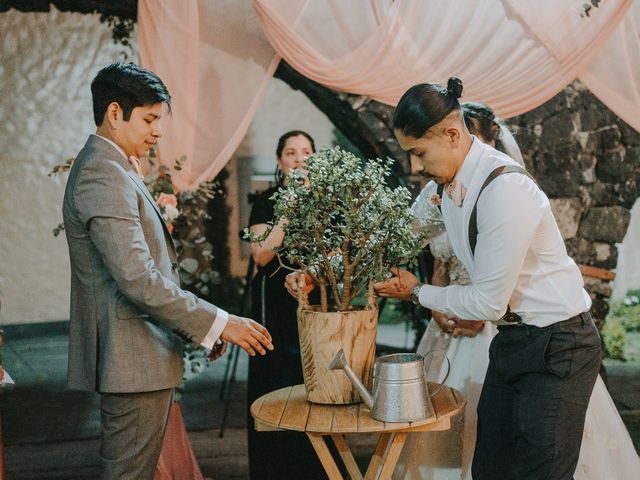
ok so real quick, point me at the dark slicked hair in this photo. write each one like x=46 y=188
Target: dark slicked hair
x=130 y=86
x=425 y=105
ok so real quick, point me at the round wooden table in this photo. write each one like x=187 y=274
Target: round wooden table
x=288 y=409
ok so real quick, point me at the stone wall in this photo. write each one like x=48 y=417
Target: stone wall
x=587 y=160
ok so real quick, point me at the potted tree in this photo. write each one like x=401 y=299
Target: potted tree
x=345 y=229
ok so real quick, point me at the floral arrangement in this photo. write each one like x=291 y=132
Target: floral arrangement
x=168 y=204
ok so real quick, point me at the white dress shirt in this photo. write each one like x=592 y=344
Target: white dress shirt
x=222 y=317
x=520 y=258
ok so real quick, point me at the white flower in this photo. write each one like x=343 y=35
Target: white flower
x=170 y=213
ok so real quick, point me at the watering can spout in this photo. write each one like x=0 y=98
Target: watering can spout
x=339 y=362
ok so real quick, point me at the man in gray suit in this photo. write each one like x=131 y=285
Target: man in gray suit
x=129 y=315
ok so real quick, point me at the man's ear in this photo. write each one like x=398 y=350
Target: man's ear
x=453 y=135
x=113 y=114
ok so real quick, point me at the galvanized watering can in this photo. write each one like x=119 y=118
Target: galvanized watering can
x=400 y=392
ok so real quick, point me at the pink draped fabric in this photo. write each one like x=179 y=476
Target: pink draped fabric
x=177 y=461
x=512 y=54
x=614 y=77
x=217 y=65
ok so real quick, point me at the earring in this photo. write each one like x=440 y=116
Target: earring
x=279 y=175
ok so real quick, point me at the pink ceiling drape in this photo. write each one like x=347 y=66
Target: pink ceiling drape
x=512 y=54
x=614 y=76
x=217 y=57
x=217 y=65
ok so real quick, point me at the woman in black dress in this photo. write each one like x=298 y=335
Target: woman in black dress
x=277 y=455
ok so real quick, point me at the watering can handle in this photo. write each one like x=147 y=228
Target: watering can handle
x=442 y=384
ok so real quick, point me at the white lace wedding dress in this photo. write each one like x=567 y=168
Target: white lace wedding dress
x=607 y=451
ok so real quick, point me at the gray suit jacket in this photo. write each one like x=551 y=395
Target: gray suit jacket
x=127 y=308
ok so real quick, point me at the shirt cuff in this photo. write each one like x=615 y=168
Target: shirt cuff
x=222 y=318
x=427 y=296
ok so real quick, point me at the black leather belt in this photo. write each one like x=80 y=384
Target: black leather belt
x=515 y=320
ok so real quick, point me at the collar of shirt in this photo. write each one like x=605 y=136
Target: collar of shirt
x=467 y=170
x=113 y=144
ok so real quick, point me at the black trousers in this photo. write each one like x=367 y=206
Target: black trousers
x=534 y=400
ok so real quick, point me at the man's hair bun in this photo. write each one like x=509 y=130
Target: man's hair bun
x=454 y=87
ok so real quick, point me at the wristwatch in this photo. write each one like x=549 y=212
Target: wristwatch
x=415 y=293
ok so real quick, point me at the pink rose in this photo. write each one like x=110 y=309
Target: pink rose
x=165 y=199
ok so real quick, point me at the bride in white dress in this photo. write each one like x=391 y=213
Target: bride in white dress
x=607 y=452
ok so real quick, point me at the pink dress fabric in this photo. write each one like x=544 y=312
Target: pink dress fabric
x=177 y=461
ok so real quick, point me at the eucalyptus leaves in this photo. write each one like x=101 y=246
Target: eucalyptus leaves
x=346 y=228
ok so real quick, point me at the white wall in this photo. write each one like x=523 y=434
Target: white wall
x=47 y=61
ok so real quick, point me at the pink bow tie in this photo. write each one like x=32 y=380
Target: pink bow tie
x=456 y=192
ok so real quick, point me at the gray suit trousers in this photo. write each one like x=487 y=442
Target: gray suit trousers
x=133 y=426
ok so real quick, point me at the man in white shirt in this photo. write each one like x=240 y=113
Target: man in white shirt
x=128 y=314
x=545 y=358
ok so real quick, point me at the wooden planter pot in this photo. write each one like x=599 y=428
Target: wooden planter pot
x=322 y=335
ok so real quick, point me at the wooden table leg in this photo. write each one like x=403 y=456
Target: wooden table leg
x=378 y=456
x=347 y=456
x=393 y=454
x=325 y=457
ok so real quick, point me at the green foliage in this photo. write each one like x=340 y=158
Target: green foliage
x=346 y=228
x=122 y=30
x=613 y=335
x=627 y=311
x=393 y=313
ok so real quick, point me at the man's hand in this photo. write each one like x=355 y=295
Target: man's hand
x=298 y=280
x=468 y=328
x=248 y=335
x=457 y=327
x=399 y=286
x=218 y=350
x=445 y=323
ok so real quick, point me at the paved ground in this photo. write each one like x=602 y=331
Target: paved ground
x=52 y=433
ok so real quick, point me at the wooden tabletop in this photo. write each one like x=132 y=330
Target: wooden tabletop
x=288 y=409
